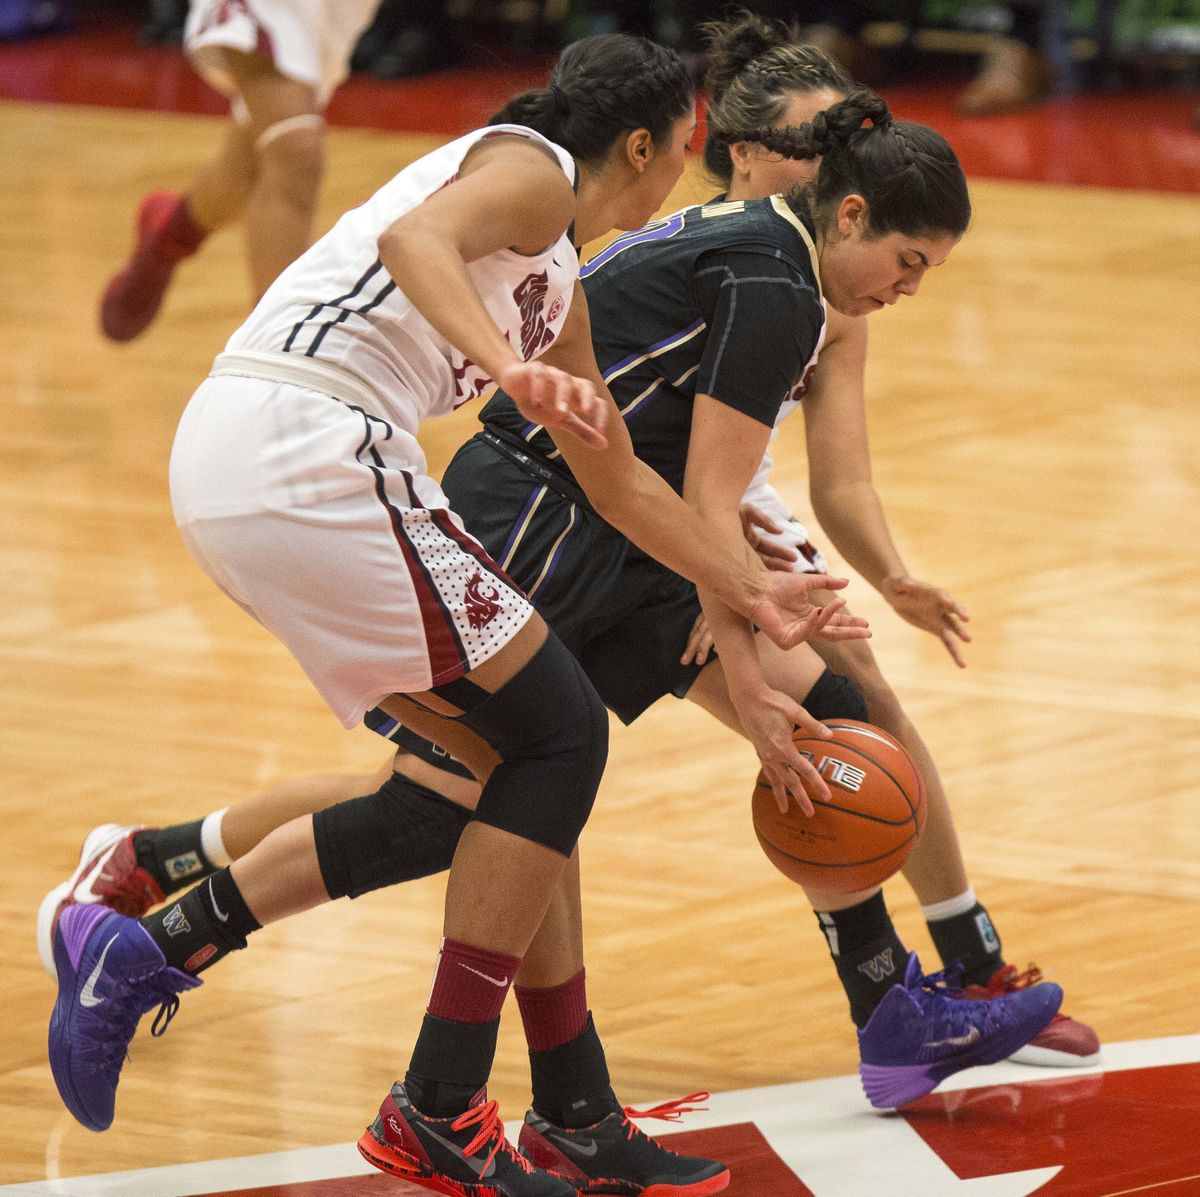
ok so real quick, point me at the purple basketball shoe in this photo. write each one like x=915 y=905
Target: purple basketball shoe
x=925 y=1030
x=110 y=973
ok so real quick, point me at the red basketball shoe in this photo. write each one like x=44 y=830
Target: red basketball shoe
x=1065 y=1043
x=463 y=1156
x=108 y=874
x=166 y=234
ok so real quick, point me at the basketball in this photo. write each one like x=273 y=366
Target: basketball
x=865 y=832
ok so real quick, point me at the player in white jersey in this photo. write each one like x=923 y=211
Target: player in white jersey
x=278 y=62
x=299 y=486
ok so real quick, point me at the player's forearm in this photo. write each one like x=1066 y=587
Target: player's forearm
x=662 y=525
x=734 y=639
x=431 y=272
x=853 y=519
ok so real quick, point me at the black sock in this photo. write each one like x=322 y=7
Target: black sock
x=208 y=922
x=867 y=952
x=970 y=940
x=570 y=1082
x=172 y=855
x=451 y=1062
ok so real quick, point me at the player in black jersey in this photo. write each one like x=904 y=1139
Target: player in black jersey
x=760 y=74
x=733 y=294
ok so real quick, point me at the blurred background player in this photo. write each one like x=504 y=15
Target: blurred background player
x=278 y=61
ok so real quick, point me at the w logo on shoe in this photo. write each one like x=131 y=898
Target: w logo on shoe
x=879 y=967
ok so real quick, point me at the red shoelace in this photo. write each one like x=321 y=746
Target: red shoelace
x=671 y=1111
x=487 y=1118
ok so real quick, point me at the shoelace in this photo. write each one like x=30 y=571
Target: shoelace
x=671 y=1111
x=127 y=1009
x=668 y=1111
x=487 y=1118
x=1008 y=980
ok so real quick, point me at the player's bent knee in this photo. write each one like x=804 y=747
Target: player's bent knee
x=835 y=697
x=551 y=731
x=401 y=832
x=291 y=154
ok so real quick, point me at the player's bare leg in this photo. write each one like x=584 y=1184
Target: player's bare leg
x=960 y=926
x=286 y=133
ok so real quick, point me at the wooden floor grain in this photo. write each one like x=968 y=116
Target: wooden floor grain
x=1036 y=442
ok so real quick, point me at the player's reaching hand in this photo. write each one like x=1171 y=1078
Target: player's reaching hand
x=785 y=614
x=755 y=522
x=558 y=401
x=769 y=718
x=930 y=609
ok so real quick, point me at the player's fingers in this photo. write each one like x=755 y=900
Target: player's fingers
x=592 y=437
x=952 y=648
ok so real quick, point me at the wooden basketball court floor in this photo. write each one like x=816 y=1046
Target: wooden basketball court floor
x=1036 y=443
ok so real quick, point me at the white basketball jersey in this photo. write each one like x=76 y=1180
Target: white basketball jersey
x=337 y=304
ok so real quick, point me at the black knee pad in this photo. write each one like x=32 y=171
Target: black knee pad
x=835 y=697
x=401 y=832
x=551 y=731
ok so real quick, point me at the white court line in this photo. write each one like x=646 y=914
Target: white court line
x=823 y=1130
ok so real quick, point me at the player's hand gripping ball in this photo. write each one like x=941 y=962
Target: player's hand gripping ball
x=873 y=821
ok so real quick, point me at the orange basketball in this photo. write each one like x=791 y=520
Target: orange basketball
x=865 y=833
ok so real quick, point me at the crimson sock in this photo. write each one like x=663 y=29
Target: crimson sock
x=553 y=1016
x=470 y=984
x=453 y=1053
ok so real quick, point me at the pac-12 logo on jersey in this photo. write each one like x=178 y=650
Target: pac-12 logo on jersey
x=480 y=599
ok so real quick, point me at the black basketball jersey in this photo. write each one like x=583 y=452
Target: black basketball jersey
x=721 y=299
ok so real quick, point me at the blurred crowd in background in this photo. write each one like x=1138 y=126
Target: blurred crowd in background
x=1008 y=56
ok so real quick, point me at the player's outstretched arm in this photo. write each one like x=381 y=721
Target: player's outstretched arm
x=632 y=497
x=844 y=498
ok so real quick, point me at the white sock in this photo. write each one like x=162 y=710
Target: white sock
x=211 y=842
x=950 y=907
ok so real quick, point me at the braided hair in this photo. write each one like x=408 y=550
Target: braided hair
x=907 y=173
x=601 y=87
x=755 y=67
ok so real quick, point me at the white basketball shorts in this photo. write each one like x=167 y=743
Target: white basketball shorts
x=308 y=40
x=319 y=521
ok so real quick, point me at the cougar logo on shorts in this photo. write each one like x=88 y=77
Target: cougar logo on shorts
x=481 y=598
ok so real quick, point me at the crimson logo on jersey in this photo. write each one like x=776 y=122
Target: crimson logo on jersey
x=530 y=297
x=480 y=598
x=797 y=392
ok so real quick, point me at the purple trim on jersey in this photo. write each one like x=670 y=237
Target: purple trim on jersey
x=370 y=273
x=516 y=528
x=633 y=357
x=386 y=727
x=562 y=544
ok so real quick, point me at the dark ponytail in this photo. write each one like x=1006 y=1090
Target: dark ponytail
x=755 y=67
x=602 y=87
x=907 y=173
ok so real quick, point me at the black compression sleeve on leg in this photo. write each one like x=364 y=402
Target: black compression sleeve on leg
x=551 y=731
x=401 y=832
x=835 y=697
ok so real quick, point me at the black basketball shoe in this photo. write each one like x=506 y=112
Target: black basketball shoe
x=614 y=1156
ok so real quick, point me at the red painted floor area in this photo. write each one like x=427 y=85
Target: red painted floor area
x=1141 y=140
